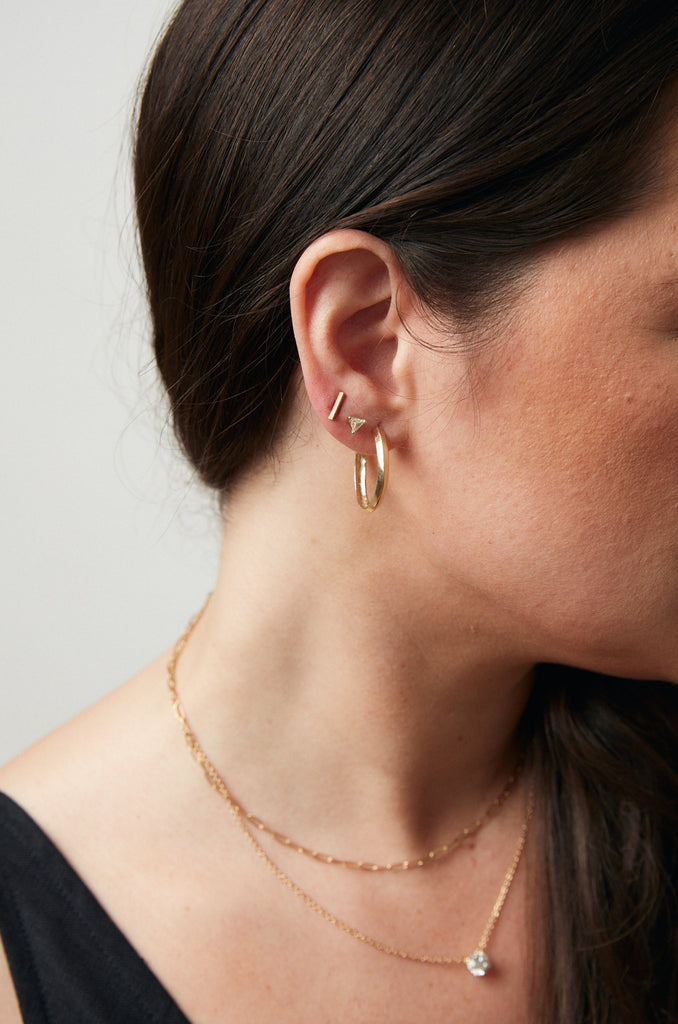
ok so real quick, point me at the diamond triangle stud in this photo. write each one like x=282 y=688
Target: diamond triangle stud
x=355 y=423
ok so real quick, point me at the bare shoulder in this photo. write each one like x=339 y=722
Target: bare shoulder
x=84 y=774
x=112 y=789
x=60 y=781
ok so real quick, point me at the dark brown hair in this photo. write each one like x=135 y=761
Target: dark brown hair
x=465 y=135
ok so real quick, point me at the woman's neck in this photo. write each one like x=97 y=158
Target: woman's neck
x=345 y=698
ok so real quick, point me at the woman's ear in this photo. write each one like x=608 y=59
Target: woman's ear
x=345 y=296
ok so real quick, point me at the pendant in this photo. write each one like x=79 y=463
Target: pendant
x=478 y=964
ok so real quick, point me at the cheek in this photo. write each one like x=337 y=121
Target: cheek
x=573 y=499
x=596 y=461
x=584 y=429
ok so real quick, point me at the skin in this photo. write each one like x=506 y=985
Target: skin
x=358 y=678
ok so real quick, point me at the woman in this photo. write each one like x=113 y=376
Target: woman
x=433 y=779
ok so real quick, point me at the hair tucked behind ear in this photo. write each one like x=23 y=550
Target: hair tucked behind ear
x=465 y=135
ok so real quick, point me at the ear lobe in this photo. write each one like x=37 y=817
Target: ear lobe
x=349 y=333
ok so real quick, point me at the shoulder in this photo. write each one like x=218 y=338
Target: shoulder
x=65 y=957
x=85 y=789
x=101 y=786
x=79 y=770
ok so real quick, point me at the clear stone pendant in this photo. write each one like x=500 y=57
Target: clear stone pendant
x=478 y=964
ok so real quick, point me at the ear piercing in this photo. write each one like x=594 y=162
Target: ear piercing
x=337 y=405
x=354 y=422
x=367 y=502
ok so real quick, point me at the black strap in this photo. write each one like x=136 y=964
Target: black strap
x=70 y=962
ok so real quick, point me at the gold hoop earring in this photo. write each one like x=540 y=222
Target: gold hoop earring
x=360 y=474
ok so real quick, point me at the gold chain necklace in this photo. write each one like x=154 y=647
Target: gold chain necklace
x=412 y=863
x=477 y=962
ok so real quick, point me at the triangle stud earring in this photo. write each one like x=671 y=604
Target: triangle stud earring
x=355 y=423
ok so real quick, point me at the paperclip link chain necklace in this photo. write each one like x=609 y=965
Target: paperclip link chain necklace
x=412 y=863
x=477 y=963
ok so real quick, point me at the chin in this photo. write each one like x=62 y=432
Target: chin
x=626 y=650
x=648 y=664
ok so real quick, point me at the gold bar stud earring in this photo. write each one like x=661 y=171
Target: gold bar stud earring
x=337 y=405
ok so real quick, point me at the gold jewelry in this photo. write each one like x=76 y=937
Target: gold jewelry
x=360 y=474
x=337 y=403
x=477 y=963
x=355 y=423
x=411 y=864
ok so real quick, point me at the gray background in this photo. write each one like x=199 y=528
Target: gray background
x=108 y=545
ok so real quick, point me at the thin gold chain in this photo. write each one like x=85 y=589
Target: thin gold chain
x=410 y=864
x=244 y=823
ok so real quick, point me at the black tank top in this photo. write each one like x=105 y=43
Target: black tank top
x=70 y=962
